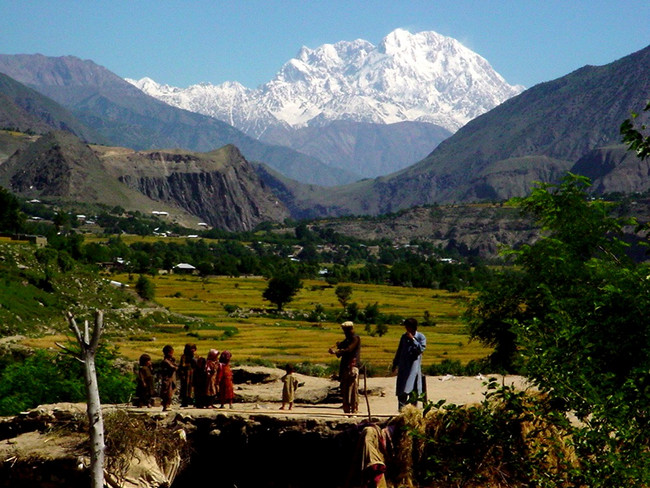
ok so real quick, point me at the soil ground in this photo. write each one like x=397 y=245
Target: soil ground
x=265 y=397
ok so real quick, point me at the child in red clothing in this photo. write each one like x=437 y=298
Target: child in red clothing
x=226 y=386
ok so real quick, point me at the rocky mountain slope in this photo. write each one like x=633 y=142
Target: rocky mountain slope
x=368 y=149
x=535 y=136
x=24 y=109
x=423 y=77
x=220 y=187
x=614 y=169
x=124 y=116
x=560 y=120
x=481 y=230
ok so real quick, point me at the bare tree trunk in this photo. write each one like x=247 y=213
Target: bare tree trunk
x=89 y=347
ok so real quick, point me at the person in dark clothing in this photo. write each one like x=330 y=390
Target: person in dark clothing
x=185 y=374
x=144 y=389
x=167 y=376
x=349 y=350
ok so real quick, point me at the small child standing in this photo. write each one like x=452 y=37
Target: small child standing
x=212 y=367
x=200 y=383
x=144 y=388
x=289 y=385
x=226 y=386
x=185 y=374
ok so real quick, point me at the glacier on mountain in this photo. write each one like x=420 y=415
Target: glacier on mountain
x=423 y=77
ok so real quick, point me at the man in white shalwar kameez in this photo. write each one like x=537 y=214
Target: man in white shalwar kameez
x=408 y=362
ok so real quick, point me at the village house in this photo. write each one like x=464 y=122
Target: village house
x=184 y=268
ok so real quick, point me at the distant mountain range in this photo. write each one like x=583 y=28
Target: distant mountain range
x=571 y=123
x=120 y=114
x=327 y=102
x=26 y=110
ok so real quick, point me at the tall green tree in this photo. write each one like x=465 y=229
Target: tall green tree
x=282 y=288
x=576 y=315
x=11 y=218
x=145 y=288
x=343 y=294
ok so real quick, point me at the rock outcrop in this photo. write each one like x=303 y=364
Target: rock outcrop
x=220 y=187
x=469 y=229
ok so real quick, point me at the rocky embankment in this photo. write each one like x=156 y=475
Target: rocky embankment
x=46 y=447
x=244 y=446
x=254 y=444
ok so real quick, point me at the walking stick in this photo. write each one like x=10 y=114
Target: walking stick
x=365 y=390
x=424 y=387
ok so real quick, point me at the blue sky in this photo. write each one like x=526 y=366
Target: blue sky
x=187 y=42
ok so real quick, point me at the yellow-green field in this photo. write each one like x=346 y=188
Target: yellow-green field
x=129 y=239
x=281 y=341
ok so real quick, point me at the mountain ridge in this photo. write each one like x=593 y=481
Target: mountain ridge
x=422 y=78
x=549 y=127
x=565 y=124
x=124 y=116
x=219 y=187
x=25 y=109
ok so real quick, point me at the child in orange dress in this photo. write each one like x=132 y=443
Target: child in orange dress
x=226 y=386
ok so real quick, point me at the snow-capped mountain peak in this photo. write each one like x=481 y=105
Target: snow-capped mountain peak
x=423 y=77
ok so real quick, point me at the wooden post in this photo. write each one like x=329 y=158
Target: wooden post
x=88 y=348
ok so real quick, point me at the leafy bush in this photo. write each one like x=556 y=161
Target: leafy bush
x=145 y=288
x=575 y=313
x=510 y=439
x=47 y=377
x=317 y=370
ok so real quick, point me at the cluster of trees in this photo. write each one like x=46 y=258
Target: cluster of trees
x=11 y=217
x=267 y=252
x=572 y=315
x=400 y=267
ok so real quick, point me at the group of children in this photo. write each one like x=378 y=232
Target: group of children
x=204 y=382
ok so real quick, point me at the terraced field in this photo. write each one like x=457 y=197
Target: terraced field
x=281 y=340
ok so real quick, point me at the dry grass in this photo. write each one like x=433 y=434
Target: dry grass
x=9 y=240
